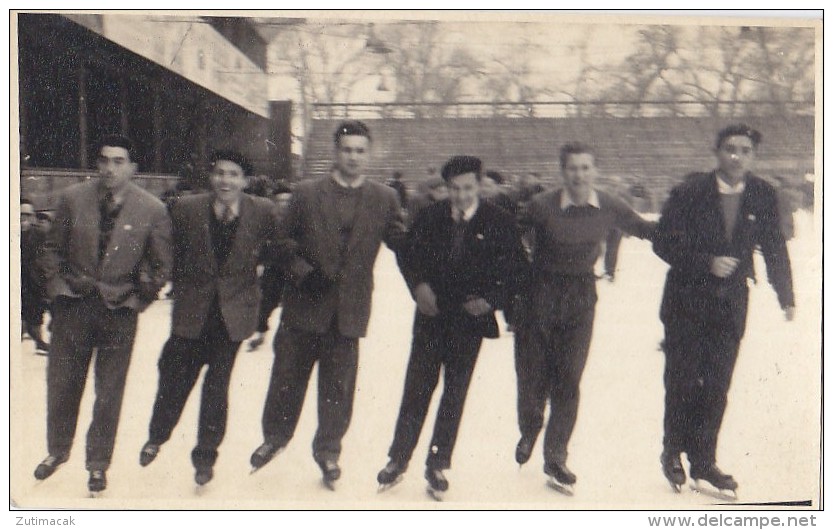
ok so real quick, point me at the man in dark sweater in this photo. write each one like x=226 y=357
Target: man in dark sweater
x=555 y=321
x=709 y=229
x=462 y=257
x=219 y=240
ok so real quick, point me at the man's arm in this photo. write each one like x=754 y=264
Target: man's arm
x=158 y=255
x=631 y=222
x=776 y=256
x=673 y=240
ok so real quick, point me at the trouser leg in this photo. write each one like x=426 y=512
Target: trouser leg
x=337 y=369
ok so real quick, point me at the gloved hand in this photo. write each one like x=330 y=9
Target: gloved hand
x=317 y=283
x=82 y=285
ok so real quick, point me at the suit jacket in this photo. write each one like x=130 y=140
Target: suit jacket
x=309 y=239
x=139 y=249
x=197 y=278
x=491 y=264
x=692 y=231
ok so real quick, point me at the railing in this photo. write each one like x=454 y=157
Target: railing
x=561 y=109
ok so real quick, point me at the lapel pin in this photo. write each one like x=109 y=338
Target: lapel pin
x=128 y=227
x=751 y=217
x=480 y=236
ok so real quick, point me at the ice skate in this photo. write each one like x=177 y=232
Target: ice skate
x=391 y=475
x=713 y=482
x=97 y=483
x=560 y=478
x=331 y=473
x=437 y=484
x=148 y=454
x=203 y=475
x=673 y=470
x=264 y=454
x=524 y=449
x=49 y=465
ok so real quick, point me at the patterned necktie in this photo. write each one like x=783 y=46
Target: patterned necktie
x=458 y=233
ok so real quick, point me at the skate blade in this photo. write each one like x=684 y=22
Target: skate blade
x=385 y=487
x=436 y=495
x=705 y=488
x=96 y=494
x=329 y=484
x=564 y=489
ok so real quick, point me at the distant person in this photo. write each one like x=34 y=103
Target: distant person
x=708 y=231
x=108 y=255
x=555 y=325
x=396 y=183
x=328 y=243
x=491 y=190
x=32 y=282
x=463 y=254
x=429 y=192
x=219 y=240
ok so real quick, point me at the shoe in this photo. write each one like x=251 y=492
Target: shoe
x=436 y=479
x=672 y=468
x=391 y=473
x=264 y=454
x=560 y=473
x=49 y=465
x=330 y=470
x=42 y=348
x=524 y=449
x=712 y=474
x=98 y=481
x=148 y=454
x=203 y=475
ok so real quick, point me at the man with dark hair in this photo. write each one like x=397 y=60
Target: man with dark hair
x=109 y=253
x=402 y=192
x=555 y=322
x=708 y=231
x=32 y=294
x=460 y=261
x=491 y=190
x=219 y=240
x=327 y=246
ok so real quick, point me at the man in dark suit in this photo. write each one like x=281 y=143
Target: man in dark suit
x=462 y=257
x=109 y=253
x=328 y=244
x=554 y=323
x=218 y=243
x=32 y=294
x=708 y=232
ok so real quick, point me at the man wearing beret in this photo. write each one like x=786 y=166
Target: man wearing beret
x=327 y=245
x=107 y=256
x=218 y=244
x=709 y=229
x=554 y=323
x=462 y=257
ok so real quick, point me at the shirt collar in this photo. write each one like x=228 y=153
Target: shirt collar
x=344 y=184
x=117 y=196
x=566 y=201
x=469 y=212
x=724 y=188
x=219 y=208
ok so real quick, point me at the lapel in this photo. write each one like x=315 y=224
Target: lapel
x=122 y=226
x=327 y=208
x=244 y=221
x=746 y=218
x=714 y=210
x=205 y=214
x=362 y=217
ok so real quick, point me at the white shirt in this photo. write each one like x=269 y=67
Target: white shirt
x=344 y=184
x=469 y=212
x=724 y=188
x=220 y=207
x=567 y=201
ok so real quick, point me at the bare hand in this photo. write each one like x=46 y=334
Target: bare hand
x=426 y=300
x=723 y=266
x=477 y=307
x=789 y=313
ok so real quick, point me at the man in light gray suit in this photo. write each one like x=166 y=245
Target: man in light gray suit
x=327 y=245
x=107 y=256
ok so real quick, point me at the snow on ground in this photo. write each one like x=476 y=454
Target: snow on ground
x=769 y=441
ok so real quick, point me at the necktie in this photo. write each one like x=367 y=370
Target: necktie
x=226 y=214
x=457 y=235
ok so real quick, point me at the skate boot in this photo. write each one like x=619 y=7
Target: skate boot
x=437 y=483
x=722 y=486
x=148 y=454
x=264 y=454
x=561 y=479
x=203 y=475
x=331 y=473
x=524 y=449
x=49 y=465
x=672 y=467
x=391 y=475
x=97 y=482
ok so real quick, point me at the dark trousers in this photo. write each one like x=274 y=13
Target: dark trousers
x=551 y=347
x=271 y=287
x=179 y=367
x=79 y=325
x=700 y=355
x=435 y=345
x=296 y=352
